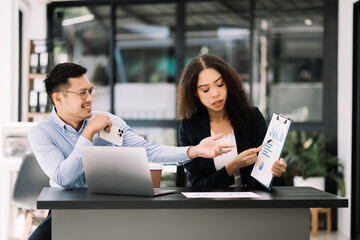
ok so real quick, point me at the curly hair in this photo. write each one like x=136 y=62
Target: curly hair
x=237 y=105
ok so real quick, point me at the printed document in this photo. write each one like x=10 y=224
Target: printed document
x=277 y=131
x=220 y=195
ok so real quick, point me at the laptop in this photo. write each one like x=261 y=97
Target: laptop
x=118 y=170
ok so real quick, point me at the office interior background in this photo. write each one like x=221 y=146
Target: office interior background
x=297 y=58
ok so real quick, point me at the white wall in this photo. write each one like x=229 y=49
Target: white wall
x=34 y=19
x=8 y=49
x=345 y=49
x=7 y=60
x=34 y=27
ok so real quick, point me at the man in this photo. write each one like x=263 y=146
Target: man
x=72 y=124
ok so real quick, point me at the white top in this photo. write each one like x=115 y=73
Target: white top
x=224 y=159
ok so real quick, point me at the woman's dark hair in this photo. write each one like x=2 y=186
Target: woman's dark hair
x=237 y=104
x=59 y=76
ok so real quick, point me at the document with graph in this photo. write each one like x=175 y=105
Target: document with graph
x=272 y=147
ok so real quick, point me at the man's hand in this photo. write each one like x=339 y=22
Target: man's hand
x=209 y=148
x=100 y=121
x=279 y=168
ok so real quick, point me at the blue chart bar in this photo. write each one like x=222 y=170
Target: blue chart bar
x=271 y=133
x=267 y=148
x=275 y=134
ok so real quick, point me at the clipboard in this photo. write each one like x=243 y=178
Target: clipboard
x=277 y=131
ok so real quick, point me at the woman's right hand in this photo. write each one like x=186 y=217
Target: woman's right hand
x=243 y=159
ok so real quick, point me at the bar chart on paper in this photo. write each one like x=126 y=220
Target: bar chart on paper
x=267 y=150
x=277 y=132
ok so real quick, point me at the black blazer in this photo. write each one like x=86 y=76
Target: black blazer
x=201 y=171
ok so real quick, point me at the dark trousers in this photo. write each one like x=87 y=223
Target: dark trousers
x=43 y=231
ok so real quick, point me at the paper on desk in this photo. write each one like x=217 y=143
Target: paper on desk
x=220 y=194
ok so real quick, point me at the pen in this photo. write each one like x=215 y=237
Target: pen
x=264 y=144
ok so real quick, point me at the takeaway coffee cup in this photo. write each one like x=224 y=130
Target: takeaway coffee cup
x=155 y=171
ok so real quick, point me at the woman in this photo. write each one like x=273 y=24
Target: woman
x=212 y=101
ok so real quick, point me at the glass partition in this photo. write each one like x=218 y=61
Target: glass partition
x=144 y=55
x=277 y=47
x=288 y=59
x=221 y=28
x=145 y=62
x=81 y=35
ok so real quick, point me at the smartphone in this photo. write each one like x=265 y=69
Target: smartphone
x=115 y=136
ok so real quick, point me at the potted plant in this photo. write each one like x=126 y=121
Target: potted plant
x=306 y=157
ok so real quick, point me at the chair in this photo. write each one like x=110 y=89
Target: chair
x=29 y=182
x=315 y=218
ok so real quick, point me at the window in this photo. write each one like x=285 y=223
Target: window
x=288 y=59
x=221 y=28
x=81 y=35
x=134 y=53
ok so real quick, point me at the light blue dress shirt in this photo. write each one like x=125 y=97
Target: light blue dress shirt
x=56 y=147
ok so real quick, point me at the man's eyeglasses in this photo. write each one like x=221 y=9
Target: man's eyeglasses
x=84 y=93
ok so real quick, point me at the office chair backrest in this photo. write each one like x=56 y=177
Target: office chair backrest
x=30 y=181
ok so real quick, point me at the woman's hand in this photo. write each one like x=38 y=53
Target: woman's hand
x=244 y=159
x=279 y=168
